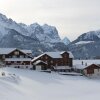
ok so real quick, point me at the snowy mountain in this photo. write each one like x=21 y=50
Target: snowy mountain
x=10 y=24
x=45 y=33
x=89 y=36
x=66 y=41
x=86 y=45
x=34 y=36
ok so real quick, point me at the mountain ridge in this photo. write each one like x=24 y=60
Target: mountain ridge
x=86 y=46
x=34 y=36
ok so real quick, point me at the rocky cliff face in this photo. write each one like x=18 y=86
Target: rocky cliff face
x=35 y=37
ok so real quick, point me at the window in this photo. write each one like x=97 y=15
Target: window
x=14 y=56
x=21 y=62
x=26 y=56
x=9 y=61
x=16 y=53
x=3 y=56
x=26 y=66
x=51 y=62
x=46 y=61
x=65 y=55
x=15 y=62
x=9 y=56
x=21 y=56
x=56 y=64
x=46 y=57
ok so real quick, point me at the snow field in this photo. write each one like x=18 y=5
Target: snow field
x=34 y=85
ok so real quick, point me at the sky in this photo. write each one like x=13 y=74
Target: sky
x=70 y=17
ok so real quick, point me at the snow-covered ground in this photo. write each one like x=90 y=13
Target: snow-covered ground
x=83 y=42
x=93 y=61
x=21 y=84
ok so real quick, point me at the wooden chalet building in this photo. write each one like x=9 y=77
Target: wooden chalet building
x=92 y=70
x=12 y=57
x=58 y=61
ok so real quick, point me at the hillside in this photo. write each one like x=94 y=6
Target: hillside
x=86 y=46
x=29 y=85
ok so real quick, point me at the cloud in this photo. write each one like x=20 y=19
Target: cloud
x=71 y=17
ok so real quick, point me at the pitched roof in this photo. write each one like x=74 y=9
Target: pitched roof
x=92 y=65
x=70 y=54
x=39 y=62
x=54 y=55
x=8 y=50
x=79 y=66
x=58 y=54
x=35 y=58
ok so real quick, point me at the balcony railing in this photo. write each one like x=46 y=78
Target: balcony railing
x=18 y=59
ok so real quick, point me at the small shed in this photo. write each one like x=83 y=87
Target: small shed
x=40 y=65
x=89 y=70
x=92 y=70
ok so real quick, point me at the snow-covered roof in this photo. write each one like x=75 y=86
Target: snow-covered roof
x=8 y=50
x=54 y=55
x=78 y=66
x=70 y=54
x=40 y=61
x=35 y=58
x=58 y=54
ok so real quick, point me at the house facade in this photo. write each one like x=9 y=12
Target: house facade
x=40 y=65
x=12 y=57
x=56 y=60
x=92 y=70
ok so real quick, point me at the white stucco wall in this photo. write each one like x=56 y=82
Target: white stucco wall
x=38 y=67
